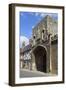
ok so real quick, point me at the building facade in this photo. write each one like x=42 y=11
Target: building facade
x=25 y=57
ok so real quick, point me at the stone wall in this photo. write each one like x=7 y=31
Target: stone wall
x=54 y=58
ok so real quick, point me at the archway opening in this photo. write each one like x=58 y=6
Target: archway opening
x=40 y=58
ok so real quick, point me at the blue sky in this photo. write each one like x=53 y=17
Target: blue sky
x=29 y=19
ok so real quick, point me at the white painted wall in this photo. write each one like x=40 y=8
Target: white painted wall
x=4 y=45
x=27 y=56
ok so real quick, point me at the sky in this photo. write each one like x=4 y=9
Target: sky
x=28 y=20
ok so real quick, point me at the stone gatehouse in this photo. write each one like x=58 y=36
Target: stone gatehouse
x=44 y=44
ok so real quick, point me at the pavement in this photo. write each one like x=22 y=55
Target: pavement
x=28 y=73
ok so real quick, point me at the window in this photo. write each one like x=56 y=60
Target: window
x=42 y=31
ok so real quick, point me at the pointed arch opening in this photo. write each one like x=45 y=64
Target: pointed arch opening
x=40 y=54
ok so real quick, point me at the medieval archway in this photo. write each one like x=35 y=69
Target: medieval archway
x=40 y=54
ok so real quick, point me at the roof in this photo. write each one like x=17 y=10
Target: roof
x=26 y=48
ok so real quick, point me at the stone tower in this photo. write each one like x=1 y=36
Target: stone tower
x=41 y=43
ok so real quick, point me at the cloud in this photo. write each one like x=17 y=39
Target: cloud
x=50 y=14
x=36 y=14
x=42 y=14
x=23 y=39
x=31 y=13
x=39 y=14
x=32 y=27
x=54 y=15
x=21 y=14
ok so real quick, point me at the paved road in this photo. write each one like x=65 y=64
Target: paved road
x=27 y=73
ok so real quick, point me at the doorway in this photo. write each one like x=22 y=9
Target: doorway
x=40 y=58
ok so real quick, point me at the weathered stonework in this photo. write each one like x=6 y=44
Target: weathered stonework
x=43 y=47
x=41 y=37
x=54 y=58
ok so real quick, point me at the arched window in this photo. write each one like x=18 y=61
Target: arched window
x=34 y=36
x=42 y=31
x=42 y=34
x=34 y=40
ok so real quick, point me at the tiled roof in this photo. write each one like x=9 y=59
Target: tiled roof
x=26 y=48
